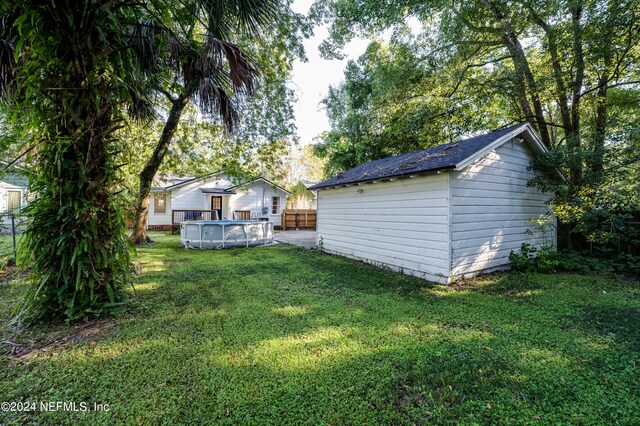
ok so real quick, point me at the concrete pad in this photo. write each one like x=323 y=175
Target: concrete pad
x=306 y=239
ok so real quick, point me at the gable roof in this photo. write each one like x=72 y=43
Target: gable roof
x=169 y=182
x=455 y=156
x=257 y=179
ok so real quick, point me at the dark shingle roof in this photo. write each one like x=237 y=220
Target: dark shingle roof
x=436 y=158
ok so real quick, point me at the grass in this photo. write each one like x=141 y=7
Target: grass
x=284 y=335
x=6 y=249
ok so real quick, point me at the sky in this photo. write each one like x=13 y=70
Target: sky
x=311 y=80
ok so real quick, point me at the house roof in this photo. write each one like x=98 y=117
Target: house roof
x=167 y=182
x=217 y=190
x=262 y=179
x=455 y=155
x=308 y=183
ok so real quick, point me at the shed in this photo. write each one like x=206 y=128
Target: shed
x=453 y=210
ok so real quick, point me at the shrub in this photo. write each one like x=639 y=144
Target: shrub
x=530 y=259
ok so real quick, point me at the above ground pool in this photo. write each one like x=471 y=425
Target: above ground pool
x=219 y=234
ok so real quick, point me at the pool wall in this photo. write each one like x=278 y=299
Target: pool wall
x=219 y=234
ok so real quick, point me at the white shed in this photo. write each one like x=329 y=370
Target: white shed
x=440 y=213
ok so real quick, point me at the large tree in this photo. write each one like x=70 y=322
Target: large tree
x=70 y=68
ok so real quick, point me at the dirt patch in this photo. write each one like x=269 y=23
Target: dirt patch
x=26 y=347
x=9 y=272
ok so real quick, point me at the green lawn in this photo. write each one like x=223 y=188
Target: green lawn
x=6 y=248
x=285 y=335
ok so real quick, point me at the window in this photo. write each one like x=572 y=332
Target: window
x=275 y=205
x=159 y=203
x=14 y=200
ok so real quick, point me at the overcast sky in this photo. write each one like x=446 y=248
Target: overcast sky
x=311 y=80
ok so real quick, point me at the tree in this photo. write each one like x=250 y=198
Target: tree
x=68 y=70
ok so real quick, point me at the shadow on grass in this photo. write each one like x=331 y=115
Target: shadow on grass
x=619 y=322
x=284 y=335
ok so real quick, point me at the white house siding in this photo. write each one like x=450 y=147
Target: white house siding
x=403 y=224
x=191 y=197
x=256 y=195
x=490 y=209
x=11 y=182
x=154 y=218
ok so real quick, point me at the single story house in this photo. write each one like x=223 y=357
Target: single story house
x=213 y=197
x=13 y=192
x=441 y=213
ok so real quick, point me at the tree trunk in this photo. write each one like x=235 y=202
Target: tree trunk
x=573 y=137
x=525 y=78
x=561 y=88
x=139 y=234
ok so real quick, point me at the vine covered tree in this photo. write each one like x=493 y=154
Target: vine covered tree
x=69 y=70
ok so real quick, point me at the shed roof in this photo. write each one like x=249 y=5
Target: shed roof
x=447 y=156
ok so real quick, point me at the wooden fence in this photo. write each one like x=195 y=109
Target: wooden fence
x=298 y=219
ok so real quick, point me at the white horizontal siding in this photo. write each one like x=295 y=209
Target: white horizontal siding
x=401 y=224
x=154 y=218
x=254 y=197
x=10 y=184
x=190 y=197
x=491 y=205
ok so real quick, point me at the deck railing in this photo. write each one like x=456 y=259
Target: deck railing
x=178 y=216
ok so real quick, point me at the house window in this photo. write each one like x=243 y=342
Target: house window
x=159 y=203
x=14 y=200
x=275 y=205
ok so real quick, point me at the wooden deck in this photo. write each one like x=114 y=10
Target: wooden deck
x=178 y=216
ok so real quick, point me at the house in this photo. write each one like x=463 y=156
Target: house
x=13 y=192
x=215 y=196
x=441 y=213
x=301 y=198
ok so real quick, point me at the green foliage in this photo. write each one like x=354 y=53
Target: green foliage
x=394 y=101
x=73 y=72
x=533 y=259
x=6 y=249
x=282 y=335
x=74 y=245
x=545 y=260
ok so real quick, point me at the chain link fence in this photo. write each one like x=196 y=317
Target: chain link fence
x=11 y=228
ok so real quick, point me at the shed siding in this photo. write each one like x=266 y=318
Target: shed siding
x=490 y=209
x=401 y=224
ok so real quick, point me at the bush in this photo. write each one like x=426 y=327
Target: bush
x=547 y=259
x=532 y=259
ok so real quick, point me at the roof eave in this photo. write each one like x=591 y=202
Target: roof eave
x=384 y=178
